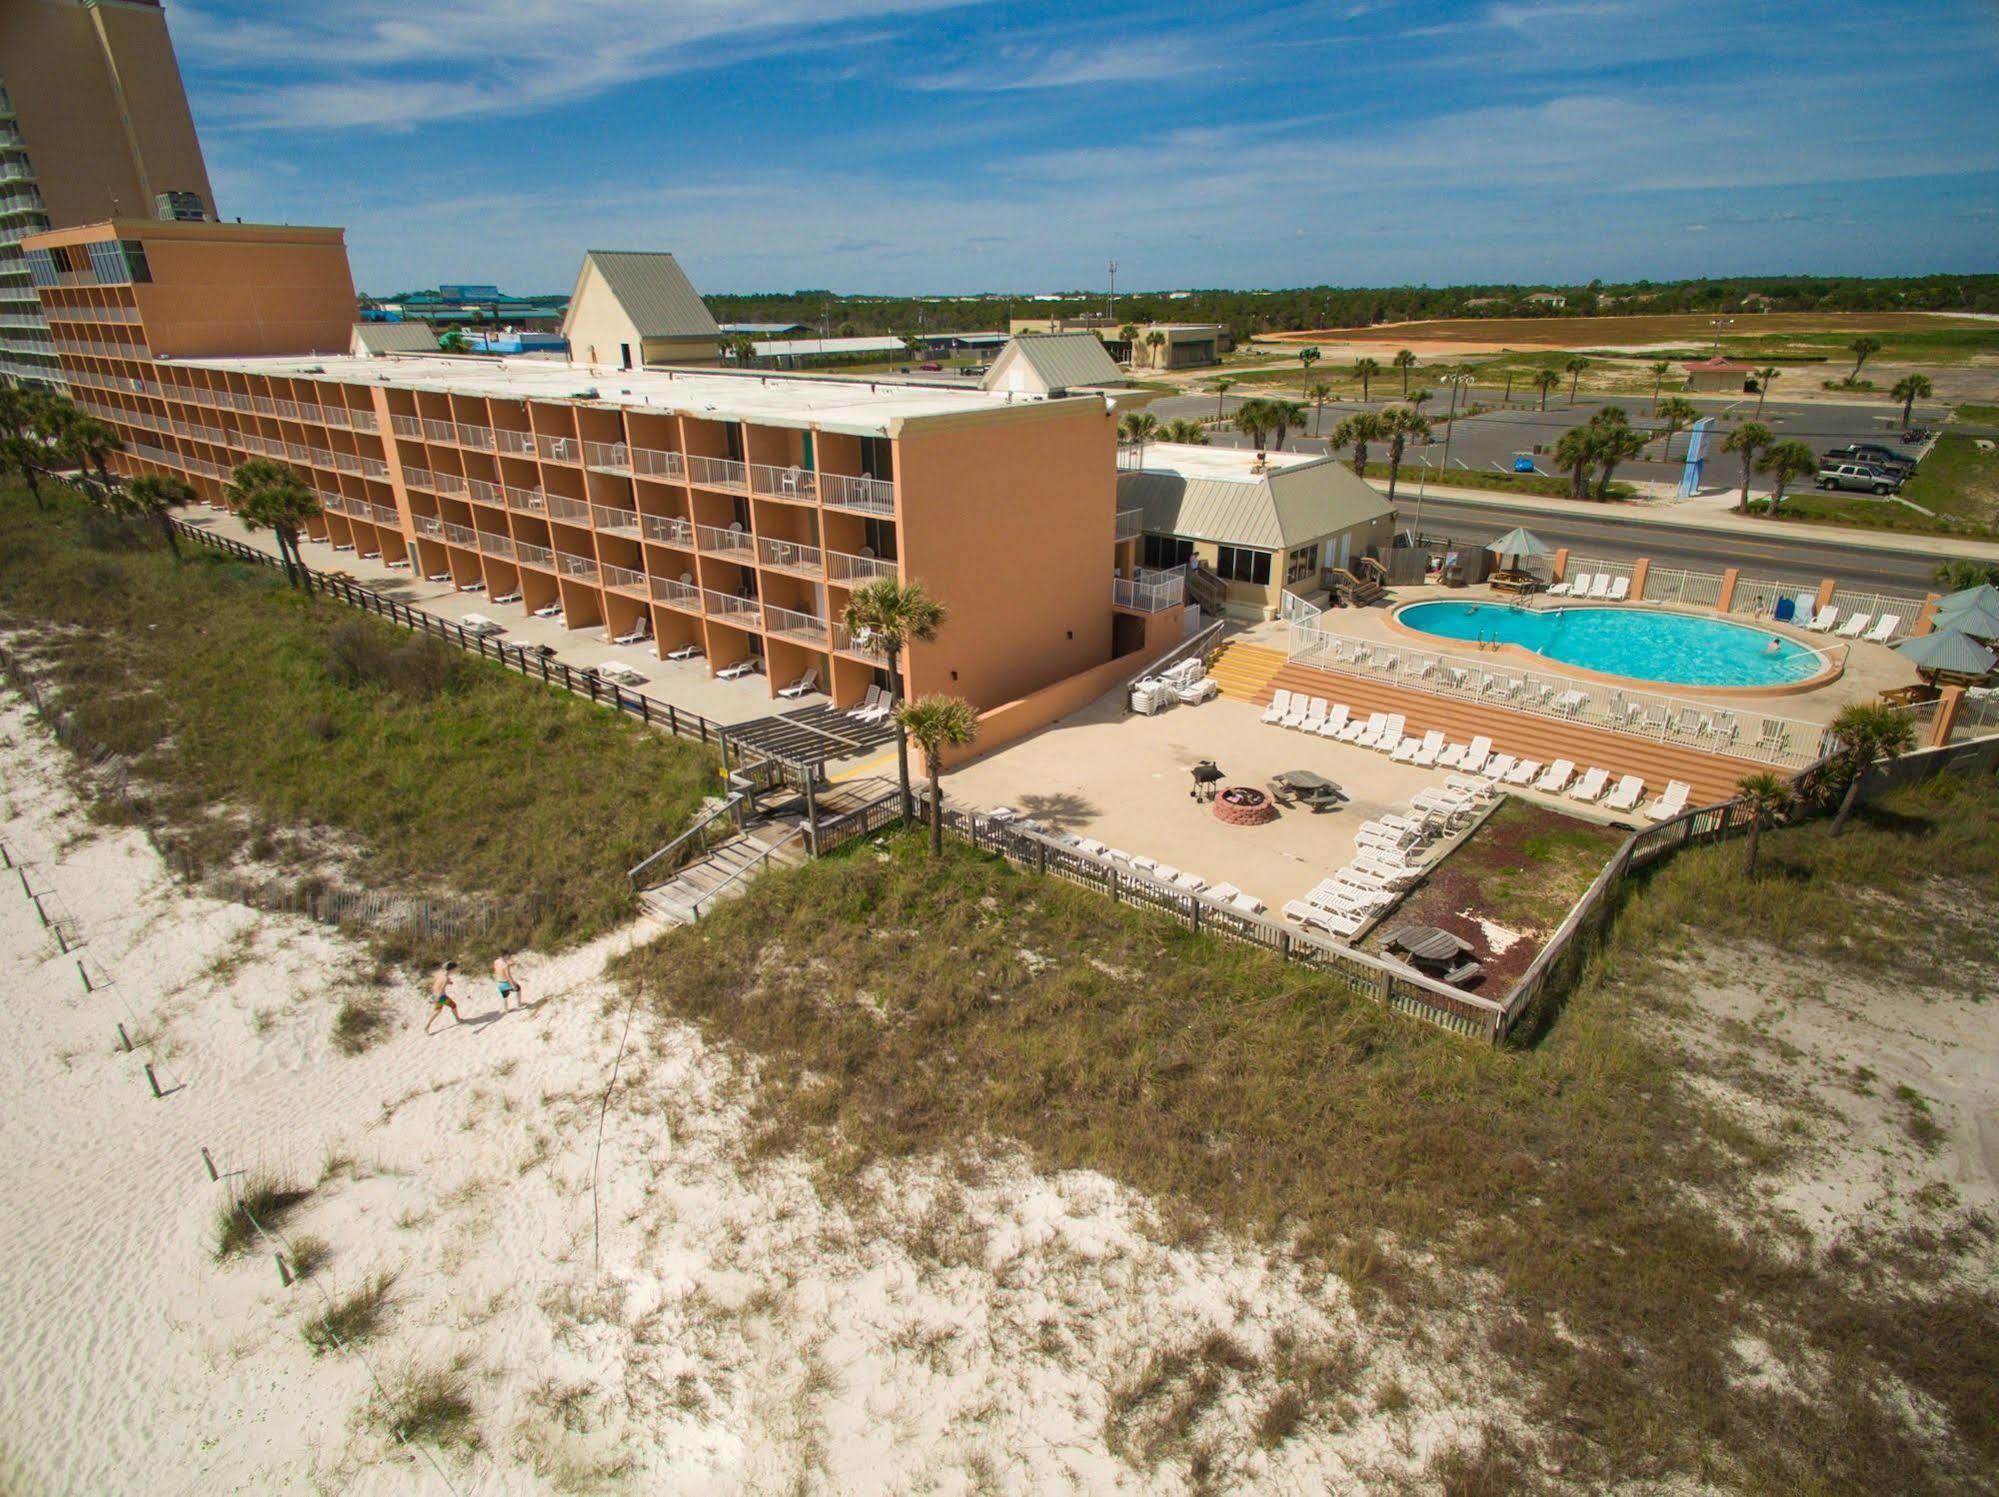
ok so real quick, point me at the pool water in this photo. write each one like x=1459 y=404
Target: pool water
x=1642 y=643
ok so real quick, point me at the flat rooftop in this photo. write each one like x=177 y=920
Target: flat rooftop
x=1221 y=464
x=858 y=407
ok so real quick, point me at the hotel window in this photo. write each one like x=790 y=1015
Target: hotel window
x=1164 y=551
x=877 y=458
x=42 y=269
x=1303 y=562
x=1240 y=564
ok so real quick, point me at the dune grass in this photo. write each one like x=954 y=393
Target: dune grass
x=900 y=1006
x=433 y=1406
x=352 y=1318
x=410 y=765
x=262 y=1200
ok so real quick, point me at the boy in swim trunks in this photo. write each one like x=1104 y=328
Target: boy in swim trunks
x=503 y=978
x=440 y=996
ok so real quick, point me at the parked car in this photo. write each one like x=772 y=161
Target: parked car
x=1859 y=478
x=1871 y=452
x=932 y=367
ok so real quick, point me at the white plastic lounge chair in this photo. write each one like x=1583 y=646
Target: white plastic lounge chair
x=1280 y=704
x=1002 y=814
x=1522 y=773
x=867 y=703
x=1166 y=873
x=1600 y=588
x=1855 y=625
x=1620 y=589
x=512 y=597
x=1143 y=864
x=1117 y=855
x=1222 y=892
x=1090 y=845
x=1630 y=790
x=1884 y=628
x=1301 y=913
x=1360 y=729
x=1432 y=749
x=549 y=611
x=1300 y=706
x=809 y=682
x=1570 y=702
x=632 y=636
x=1591 y=786
x=1406 y=751
x=1669 y=805
x=477 y=586
x=1560 y=589
x=1477 y=786
x=1802 y=606
x=1824 y=620
x=745 y=667
x=1190 y=881
x=684 y=652
x=1453 y=753
x=1476 y=755
x=1556 y=777
x=1315 y=716
x=1391 y=733
x=1328 y=894
x=1389 y=873
x=438 y=577
x=1497 y=768
x=1196 y=691
x=1336 y=721
x=1249 y=904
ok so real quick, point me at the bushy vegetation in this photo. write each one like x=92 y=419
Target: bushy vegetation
x=402 y=762
x=262 y=1200
x=900 y=1005
x=352 y=1318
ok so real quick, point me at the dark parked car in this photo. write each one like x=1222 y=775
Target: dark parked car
x=1871 y=452
x=933 y=366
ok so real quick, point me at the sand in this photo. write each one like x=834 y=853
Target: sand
x=743 y=1333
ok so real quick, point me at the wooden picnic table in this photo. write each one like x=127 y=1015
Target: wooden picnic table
x=1426 y=943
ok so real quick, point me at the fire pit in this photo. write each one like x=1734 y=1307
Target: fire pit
x=1244 y=805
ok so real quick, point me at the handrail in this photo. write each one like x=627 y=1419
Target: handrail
x=743 y=872
x=699 y=829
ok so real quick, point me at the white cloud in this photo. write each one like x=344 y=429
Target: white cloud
x=1071 y=67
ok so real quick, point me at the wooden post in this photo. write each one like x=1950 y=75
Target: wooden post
x=152 y=1080
x=205 y=1159
x=1926 y=621
x=1949 y=704
x=1640 y=569
x=811 y=810
x=1827 y=588
x=125 y=1039
x=1729 y=577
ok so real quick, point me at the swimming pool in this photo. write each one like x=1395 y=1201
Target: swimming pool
x=1642 y=643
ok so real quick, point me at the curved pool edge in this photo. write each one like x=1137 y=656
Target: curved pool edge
x=1534 y=660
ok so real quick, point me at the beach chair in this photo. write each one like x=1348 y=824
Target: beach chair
x=1497 y=768
x=1630 y=790
x=549 y=611
x=1478 y=786
x=1620 y=589
x=1591 y=786
x=1315 y=716
x=1855 y=625
x=1579 y=585
x=1301 y=913
x=736 y=670
x=1336 y=721
x=1669 y=805
x=1453 y=754
x=1142 y=863
x=805 y=684
x=1328 y=894
x=1192 y=882
x=1477 y=755
x=1358 y=728
x=1191 y=693
x=1556 y=777
x=1443 y=805
x=512 y=597
x=639 y=631
x=1247 y=904
x=684 y=652
x=1280 y=704
x=1884 y=628
x=1522 y=773
x=1091 y=846
x=1600 y=588
x=1391 y=733
x=1431 y=751
x=868 y=703
x=1409 y=750
x=1391 y=873
x=1301 y=707
x=1570 y=702
x=1559 y=589
x=1823 y=620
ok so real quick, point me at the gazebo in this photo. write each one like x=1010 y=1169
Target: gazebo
x=1948 y=653
x=1515 y=547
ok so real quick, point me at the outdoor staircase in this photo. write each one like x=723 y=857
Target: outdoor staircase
x=1207 y=589
x=1244 y=671
x=725 y=872
x=1356 y=590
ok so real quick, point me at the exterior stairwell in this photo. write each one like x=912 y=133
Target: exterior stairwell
x=724 y=872
x=1358 y=588
x=1244 y=671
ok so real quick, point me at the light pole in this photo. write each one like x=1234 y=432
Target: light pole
x=1458 y=380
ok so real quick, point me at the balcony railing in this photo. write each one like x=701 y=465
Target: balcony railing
x=806 y=627
x=480 y=437
x=679 y=594
x=1130 y=523
x=842 y=567
x=718 y=473
x=571 y=565
x=384 y=515
x=406 y=426
x=671 y=529
x=559 y=449
x=725 y=542
x=847 y=642
x=526 y=501
x=416 y=478
x=435 y=430
x=484 y=492
x=495 y=544
x=791 y=556
x=617 y=521
x=448 y=483
x=612 y=457
x=624 y=579
x=871 y=496
x=519 y=443
x=535 y=556
x=425 y=524
x=460 y=535
x=782 y=483
x=650 y=462
x=1151 y=596
x=745 y=613
x=560 y=507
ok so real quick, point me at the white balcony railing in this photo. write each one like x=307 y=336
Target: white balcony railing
x=670 y=529
x=518 y=443
x=725 y=542
x=1130 y=523
x=717 y=473
x=871 y=496
x=680 y=594
x=624 y=579
x=806 y=627
x=843 y=567
x=746 y=613
x=535 y=556
x=1151 y=596
x=847 y=642
x=561 y=507
x=617 y=521
x=612 y=457
x=495 y=544
x=790 y=556
x=460 y=535
x=782 y=483
x=650 y=462
x=559 y=449
x=571 y=565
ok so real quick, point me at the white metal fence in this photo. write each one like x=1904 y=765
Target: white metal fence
x=1689 y=589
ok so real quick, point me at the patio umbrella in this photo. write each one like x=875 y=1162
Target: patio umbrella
x=1521 y=543
x=1978 y=618
x=1985 y=592
x=1947 y=652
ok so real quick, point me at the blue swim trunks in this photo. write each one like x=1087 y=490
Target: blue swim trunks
x=507 y=990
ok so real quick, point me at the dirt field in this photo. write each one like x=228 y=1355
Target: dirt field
x=1469 y=334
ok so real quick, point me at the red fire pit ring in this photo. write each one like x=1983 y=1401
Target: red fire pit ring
x=1244 y=805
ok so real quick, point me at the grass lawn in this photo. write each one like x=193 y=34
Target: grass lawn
x=1552 y=487
x=414 y=766
x=1522 y=870
x=1957 y=481
x=1597 y=1217
x=1987 y=415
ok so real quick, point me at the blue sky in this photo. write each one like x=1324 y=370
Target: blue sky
x=917 y=146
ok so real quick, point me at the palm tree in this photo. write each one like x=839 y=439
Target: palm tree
x=1128 y=334
x=1319 y=392
x=1284 y=414
x=1405 y=361
x=1254 y=420
x=1359 y=429
x=25 y=455
x=1308 y=357
x=1909 y=389
x=1659 y=372
x=1155 y=340
x=1400 y=425
x=155 y=498
x=1576 y=451
x=1749 y=439
x=1861 y=349
x=1677 y=413
x=1192 y=433
x=1962 y=574
x=1139 y=427
x=1867 y=731
x=269 y=493
x=1786 y=462
x=1574 y=370
x=1365 y=370
x=935 y=722
x=1616 y=442
x=1763 y=378
x=1767 y=796
x=86 y=441
x=1221 y=388
x=1545 y=381
x=892 y=617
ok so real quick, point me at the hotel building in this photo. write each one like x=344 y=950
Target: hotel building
x=732 y=511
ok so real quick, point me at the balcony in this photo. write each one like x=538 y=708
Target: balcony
x=571 y=565
x=744 y=613
x=670 y=529
x=561 y=507
x=526 y=501
x=805 y=628
x=518 y=443
x=791 y=556
x=847 y=642
x=559 y=449
x=607 y=457
x=1153 y=593
x=495 y=544
x=478 y=437
x=718 y=473
x=384 y=515
x=650 y=462
x=614 y=521
x=415 y=478
x=448 y=483
x=679 y=594
x=535 y=556
x=783 y=483
x=1130 y=524
x=857 y=570
x=406 y=426
x=484 y=492
x=461 y=535
x=425 y=524
x=625 y=580
x=719 y=542
x=869 y=496
x=439 y=431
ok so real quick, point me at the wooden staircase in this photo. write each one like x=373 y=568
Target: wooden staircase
x=1207 y=589
x=1244 y=671
x=1356 y=589
x=1711 y=777
x=725 y=872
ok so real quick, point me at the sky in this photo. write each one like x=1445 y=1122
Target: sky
x=958 y=146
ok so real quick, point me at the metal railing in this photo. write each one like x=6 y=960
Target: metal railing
x=484 y=492
x=691 y=845
x=624 y=579
x=612 y=457
x=717 y=473
x=671 y=529
x=651 y=462
x=479 y=437
x=1670 y=585
x=460 y=535
x=535 y=556
x=1741 y=733
x=1148 y=596
x=562 y=507
x=435 y=430
x=680 y=594
x=515 y=443
x=571 y=565
x=617 y=521
x=741 y=611
x=847 y=642
x=842 y=566
x=559 y=449
x=406 y=426
x=870 y=496
x=714 y=538
x=495 y=544
x=807 y=627
x=1130 y=523
x=782 y=483
x=790 y=556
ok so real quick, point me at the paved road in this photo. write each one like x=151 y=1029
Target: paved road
x=1789 y=554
